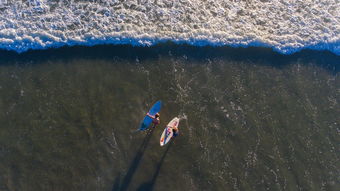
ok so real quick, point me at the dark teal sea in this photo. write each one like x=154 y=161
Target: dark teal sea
x=251 y=119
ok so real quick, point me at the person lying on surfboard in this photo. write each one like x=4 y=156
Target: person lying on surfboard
x=175 y=131
x=155 y=119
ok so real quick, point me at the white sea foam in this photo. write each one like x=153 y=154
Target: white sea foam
x=285 y=25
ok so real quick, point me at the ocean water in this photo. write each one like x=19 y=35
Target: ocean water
x=251 y=119
x=264 y=118
x=285 y=26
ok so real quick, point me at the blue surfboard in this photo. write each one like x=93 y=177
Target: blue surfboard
x=148 y=120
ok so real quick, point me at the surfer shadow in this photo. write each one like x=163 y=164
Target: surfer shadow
x=134 y=165
x=147 y=186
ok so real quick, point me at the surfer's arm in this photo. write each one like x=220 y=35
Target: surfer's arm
x=152 y=116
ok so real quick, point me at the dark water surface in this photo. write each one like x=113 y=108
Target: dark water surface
x=251 y=119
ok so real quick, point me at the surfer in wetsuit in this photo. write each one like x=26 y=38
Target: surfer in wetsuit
x=175 y=131
x=155 y=119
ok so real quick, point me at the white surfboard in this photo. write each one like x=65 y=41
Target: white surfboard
x=168 y=133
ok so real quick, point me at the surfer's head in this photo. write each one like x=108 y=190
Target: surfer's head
x=157 y=115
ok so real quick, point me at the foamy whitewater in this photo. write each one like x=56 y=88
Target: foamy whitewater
x=286 y=26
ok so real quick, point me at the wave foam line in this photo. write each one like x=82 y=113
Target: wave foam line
x=286 y=26
x=37 y=44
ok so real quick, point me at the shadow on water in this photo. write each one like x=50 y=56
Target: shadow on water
x=133 y=166
x=150 y=184
x=260 y=55
x=116 y=183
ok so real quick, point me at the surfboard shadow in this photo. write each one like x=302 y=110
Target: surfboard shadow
x=135 y=163
x=150 y=184
x=116 y=183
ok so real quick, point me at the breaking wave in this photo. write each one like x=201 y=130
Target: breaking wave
x=286 y=26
